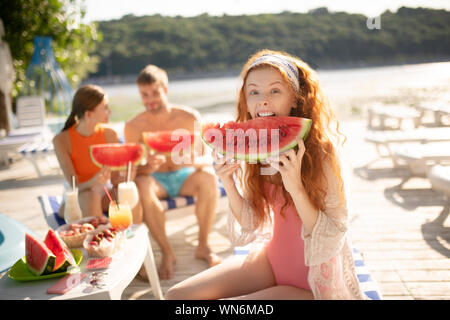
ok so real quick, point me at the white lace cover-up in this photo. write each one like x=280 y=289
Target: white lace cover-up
x=328 y=250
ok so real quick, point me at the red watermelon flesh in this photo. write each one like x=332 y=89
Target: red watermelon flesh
x=116 y=155
x=165 y=141
x=256 y=139
x=39 y=259
x=63 y=256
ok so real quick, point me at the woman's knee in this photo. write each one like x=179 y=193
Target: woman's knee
x=207 y=182
x=90 y=202
x=90 y=195
x=177 y=292
x=144 y=185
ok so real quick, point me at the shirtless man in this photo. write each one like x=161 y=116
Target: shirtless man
x=161 y=177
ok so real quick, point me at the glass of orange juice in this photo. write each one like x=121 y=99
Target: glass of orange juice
x=120 y=215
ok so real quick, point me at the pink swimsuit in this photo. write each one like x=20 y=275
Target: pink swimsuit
x=285 y=250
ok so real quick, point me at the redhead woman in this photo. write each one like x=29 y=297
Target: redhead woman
x=309 y=254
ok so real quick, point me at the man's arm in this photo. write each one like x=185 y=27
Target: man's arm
x=133 y=134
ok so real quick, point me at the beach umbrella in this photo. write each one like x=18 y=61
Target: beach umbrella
x=45 y=78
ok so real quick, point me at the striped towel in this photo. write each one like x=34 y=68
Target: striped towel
x=33 y=148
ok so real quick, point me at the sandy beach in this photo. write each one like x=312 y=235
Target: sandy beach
x=401 y=232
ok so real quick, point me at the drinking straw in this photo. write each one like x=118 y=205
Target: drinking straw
x=73 y=183
x=109 y=196
x=115 y=198
x=128 y=171
x=107 y=193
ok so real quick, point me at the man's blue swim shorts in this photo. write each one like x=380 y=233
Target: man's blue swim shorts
x=173 y=180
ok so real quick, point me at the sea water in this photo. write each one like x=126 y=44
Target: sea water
x=349 y=91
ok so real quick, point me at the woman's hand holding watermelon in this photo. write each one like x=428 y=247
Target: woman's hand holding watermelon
x=290 y=168
x=101 y=177
x=224 y=169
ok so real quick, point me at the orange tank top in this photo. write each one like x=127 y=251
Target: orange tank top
x=81 y=160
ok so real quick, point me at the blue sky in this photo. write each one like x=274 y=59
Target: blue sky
x=114 y=9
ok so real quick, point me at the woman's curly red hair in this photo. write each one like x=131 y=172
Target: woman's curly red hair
x=311 y=104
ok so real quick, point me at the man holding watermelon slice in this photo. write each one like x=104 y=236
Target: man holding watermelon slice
x=163 y=177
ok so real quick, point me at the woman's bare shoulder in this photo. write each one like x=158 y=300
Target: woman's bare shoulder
x=61 y=137
x=61 y=141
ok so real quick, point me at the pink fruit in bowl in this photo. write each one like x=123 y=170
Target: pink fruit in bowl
x=67 y=233
x=103 y=220
x=95 y=222
x=74 y=226
x=86 y=227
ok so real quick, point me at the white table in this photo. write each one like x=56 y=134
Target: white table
x=124 y=267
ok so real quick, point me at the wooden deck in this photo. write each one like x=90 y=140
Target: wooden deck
x=401 y=230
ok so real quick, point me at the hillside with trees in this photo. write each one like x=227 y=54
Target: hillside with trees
x=324 y=39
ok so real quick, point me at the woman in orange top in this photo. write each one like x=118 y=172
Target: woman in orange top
x=82 y=129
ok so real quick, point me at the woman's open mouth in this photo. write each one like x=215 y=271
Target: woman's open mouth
x=265 y=114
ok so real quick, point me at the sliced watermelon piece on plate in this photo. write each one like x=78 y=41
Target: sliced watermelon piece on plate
x=63 y=257
x=39 y=259
x=256 y=139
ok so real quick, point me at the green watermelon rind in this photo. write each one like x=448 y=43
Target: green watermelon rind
x=306 y=127
x=118 y=168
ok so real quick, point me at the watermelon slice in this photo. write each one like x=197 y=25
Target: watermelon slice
x=39 y=259
x=116 y=155
x=165 y=141
x=256 y=139
x=63 y=256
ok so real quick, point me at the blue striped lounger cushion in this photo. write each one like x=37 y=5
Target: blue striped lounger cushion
x=50 y=206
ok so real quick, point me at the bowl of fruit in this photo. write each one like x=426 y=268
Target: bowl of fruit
x=73 y=234
x=104 y=243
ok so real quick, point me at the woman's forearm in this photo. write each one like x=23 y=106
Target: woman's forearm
x=235 y=199
x=305 y=209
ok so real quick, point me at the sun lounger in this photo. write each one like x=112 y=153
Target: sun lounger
x=12 y=142
x=366 y=281
x=32 y=137
x=385 y=139
x=50 y=206
x=439 y=110
x=421 y=157
x=439 y=177
x=397 y=112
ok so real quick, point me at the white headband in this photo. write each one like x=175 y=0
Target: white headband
x=289 y=68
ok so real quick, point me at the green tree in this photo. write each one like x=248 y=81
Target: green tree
x=321 y=37
x=73 y=41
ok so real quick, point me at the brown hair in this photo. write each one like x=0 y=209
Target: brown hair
x=311 y=104
x=85 y=99
x=152 y=74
